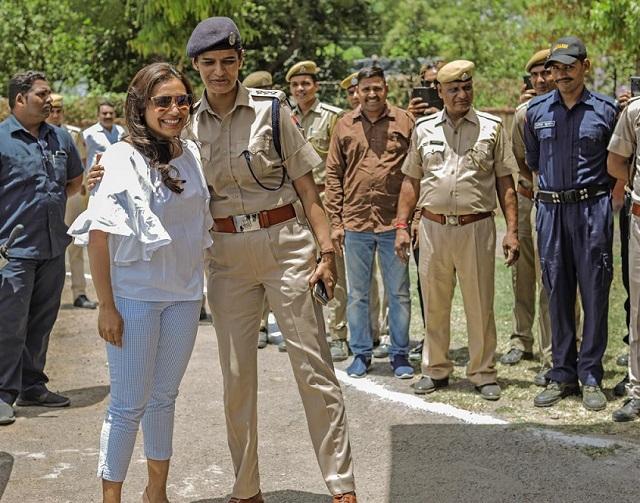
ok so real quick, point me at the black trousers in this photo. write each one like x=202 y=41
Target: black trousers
x=30 y=293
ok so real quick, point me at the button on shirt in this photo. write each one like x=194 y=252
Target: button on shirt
x=240 y=143
x=97 y=138
x=457 y=164
x=33 y=176
x=364 y=169
x=568 y=147
x=625 y=141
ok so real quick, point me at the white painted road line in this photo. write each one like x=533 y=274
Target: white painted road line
x=366 y=385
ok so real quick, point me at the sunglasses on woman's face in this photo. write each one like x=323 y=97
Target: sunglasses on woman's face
x=165 y=102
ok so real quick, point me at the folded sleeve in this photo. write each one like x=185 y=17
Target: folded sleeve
x=119 y=206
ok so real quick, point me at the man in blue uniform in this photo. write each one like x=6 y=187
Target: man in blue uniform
x=39 y=168
x=566 y=136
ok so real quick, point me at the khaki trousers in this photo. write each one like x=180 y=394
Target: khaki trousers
x=633 y=387
x=76 y=204
x=278 y=262
x=468 y=253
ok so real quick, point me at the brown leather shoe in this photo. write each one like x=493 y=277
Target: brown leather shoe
x=345 y=498
x=254 y=499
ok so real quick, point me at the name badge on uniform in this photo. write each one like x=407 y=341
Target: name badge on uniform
x=436 y=142
x=544 y=124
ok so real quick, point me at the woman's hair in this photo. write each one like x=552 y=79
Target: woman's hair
x=158 y=150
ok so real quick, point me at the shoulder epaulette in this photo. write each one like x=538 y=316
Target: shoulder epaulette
x=267 y=93
x=604 y=98
x=538 y=99
x=74 y=129
x=425 y=118
x=489 y=116
x=331 y=108
x=523 y=105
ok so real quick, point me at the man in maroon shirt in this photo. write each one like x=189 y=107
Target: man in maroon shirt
x=363 y=180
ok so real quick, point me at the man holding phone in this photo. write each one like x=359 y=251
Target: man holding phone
x=425 y=99
x=458 y=161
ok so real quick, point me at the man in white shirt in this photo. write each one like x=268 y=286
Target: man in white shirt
x=102 y=134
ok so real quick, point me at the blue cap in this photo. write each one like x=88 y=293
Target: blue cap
x=213 y=34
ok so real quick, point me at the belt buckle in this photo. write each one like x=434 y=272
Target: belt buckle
x=246 y=223
x=570 y=196
x=452 y=220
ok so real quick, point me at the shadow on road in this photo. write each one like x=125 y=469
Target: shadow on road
x=452 y=463
x=6 y=466
x=80 y=397
x=281 y=497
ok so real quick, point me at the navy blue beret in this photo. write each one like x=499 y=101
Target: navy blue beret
x=212 y=34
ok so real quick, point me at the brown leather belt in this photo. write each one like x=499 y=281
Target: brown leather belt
x=528 y=193
x=455 y=219
x=254 y=221
x=635 y=209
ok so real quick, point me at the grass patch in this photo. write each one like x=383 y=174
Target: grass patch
x=516 y=404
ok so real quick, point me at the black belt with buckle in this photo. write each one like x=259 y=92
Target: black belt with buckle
x=573 y=195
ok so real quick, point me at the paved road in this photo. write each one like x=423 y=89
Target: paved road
x=404 y=452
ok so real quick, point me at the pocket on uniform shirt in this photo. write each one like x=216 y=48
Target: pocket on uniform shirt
x=260 y=158
x=432 y=156
x=590 y=142
x=480 y=156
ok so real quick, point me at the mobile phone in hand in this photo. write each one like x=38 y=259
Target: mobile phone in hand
x=527 y=82
x=428 y=95
x=635 y=86
x=320 y=293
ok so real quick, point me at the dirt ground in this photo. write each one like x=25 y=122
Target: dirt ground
x=406 y=449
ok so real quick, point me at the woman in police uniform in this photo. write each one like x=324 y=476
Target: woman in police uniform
x=259 y=170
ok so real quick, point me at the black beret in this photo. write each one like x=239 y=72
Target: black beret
x=214 y=33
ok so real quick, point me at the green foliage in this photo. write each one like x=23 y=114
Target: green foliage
x=95 y=47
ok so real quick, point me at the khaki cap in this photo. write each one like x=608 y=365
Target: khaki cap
x=258 y=79
x=302 y=68
x=56 y=100
x=350 y=81
x=539 y=58
x=461 y=69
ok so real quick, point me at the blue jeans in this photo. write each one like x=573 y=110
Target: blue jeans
x=359 y=254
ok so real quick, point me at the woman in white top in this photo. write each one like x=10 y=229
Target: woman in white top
x=146 y=227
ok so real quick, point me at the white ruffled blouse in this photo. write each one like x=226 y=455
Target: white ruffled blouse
x=156 y=237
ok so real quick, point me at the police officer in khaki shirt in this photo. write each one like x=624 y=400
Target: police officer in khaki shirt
x=459 y=158
x=350 y=84
x=523 y=273
x=318 y=120
x=76 y=204
x=623 y=154
x=263 y=244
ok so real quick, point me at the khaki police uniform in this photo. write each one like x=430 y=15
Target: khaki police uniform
x=76 y=204
x=624 y=142
x=318 y=125
x=276 y=261
x=458 y=165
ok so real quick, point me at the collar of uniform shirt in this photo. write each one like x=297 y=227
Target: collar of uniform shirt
x=557 y=98
x=469 y=116
x=242 y=100
x=314 y=108
x=15 y=125
x=357 y=114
